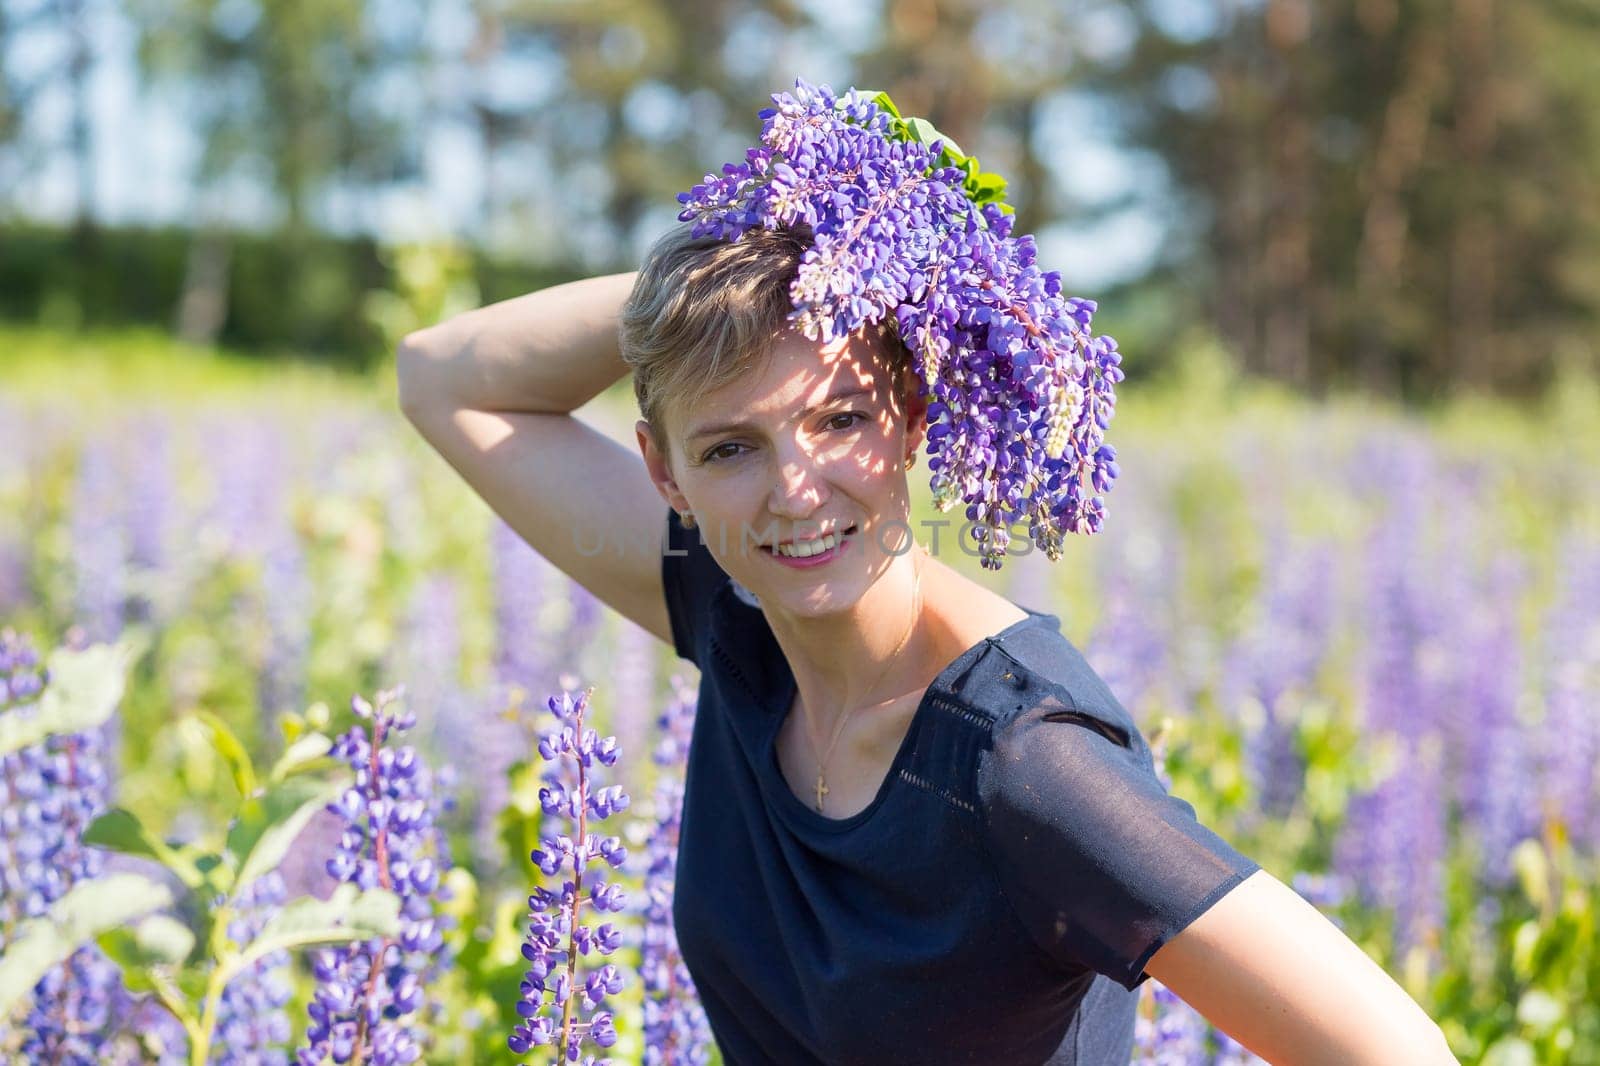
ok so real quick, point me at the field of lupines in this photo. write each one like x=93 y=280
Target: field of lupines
x=308 y=758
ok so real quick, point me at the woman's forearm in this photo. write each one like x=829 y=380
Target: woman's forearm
x=548 y=351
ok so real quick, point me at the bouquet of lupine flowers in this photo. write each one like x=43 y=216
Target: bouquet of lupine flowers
x=556 y=934
x=903 y=223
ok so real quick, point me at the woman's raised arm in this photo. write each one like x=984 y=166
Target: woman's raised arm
x=550 y=351
x=493 y=391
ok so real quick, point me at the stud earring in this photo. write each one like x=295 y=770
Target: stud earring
x=911 y=460
x=687 y=518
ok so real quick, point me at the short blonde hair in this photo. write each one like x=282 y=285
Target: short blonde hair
x=705 y=311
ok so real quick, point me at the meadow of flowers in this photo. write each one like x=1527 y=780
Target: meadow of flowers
x=308 y=758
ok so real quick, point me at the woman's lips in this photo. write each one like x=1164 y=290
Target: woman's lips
x=798 y=563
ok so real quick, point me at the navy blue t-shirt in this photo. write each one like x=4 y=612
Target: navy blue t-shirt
x=995 y=902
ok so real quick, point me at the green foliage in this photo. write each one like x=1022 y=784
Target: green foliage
x=84 y=689
x=267 y=824
x=88 y=909
x=981 y=187
x=323 y=301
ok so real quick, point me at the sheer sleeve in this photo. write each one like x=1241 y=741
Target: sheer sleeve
x=1101 y=864
x=690 y=577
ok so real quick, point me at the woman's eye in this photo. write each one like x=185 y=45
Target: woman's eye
x=852 y=415
x=716 y=455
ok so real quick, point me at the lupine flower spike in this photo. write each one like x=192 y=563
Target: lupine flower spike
x=251 y=1022
x=52 y=790
x=1022 y=389
x=556 y=934
x=676 y=1031
x=366 y=990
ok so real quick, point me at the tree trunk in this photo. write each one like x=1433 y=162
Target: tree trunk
x=1381 y=252
x=79 y=67
x=203 y=307
x=1470 y=352
x=1287 y=252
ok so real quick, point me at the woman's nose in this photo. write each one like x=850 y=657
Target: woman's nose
x=800 y=487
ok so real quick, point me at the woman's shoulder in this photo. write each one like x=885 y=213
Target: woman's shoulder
x=1026 y=667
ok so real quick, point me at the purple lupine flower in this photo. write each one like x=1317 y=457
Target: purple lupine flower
x=1173 y=1035
x=15 y=583
x=1130 y=646
x=366 y=990
x=22 y=781
x=1392 y=845
x=579 y=635
x=1496 y=785
x=251 y=1021
x=1570 y=759
x=99 y=543
x=1279 y=655
x=1401 y=622
x=71 y=1020
x=1021 y=390
x=675 y=1027
x=1326 y=892
x=53 y=790
x=286 y=602
x=149 y=516
x=556 y=935
x=150 y=1034
x=1232 y=1053
x=14 y=435
x=250 y=482
x=524 y=584
x=633 y=687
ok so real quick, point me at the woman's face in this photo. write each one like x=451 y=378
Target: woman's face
x=815 y=441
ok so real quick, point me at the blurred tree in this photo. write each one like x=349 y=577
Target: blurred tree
x=626 y=108
x=69 y=22
x=19 y=157
x=1399 y=193
x=287 y=88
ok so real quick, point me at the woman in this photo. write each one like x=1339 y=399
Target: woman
x=917 y=827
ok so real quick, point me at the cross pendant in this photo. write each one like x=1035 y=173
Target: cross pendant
x=822 y=790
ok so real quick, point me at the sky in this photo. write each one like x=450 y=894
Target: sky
x=144 y=153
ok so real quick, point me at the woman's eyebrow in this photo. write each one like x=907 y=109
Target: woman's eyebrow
x=735 y=427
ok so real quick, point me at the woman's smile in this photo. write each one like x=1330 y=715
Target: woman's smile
x=833 y=545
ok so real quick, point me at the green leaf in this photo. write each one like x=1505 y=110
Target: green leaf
x=82 y=691
x=233 y=752
x=925 y=132
x=882 y=100
x=120 y=830
x=269 y=823
x=88 y=909
x=159 y=939
x=303 y=755
x=344 y=917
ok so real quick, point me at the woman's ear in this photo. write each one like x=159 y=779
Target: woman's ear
x=659 y=467
x=916 y=408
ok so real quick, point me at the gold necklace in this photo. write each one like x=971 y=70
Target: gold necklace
x=822 y=763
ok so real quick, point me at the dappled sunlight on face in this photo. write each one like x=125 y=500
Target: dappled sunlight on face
x=814 y=440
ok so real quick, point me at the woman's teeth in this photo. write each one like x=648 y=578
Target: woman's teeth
x=811 y=547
